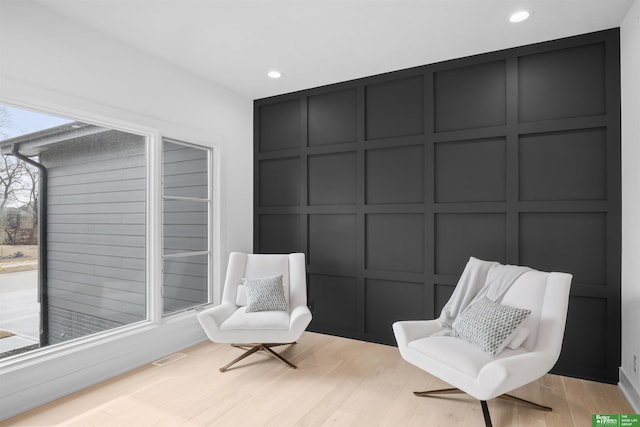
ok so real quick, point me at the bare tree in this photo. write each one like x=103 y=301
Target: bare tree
x=18 y=192
x=18 y=182
x=9 y=170
x=11 y=228
x=33 y=179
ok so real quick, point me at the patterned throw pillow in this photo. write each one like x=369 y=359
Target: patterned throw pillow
x=489 y=325
x=265 y=294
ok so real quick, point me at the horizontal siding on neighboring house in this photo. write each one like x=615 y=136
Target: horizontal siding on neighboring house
x=96 y=232
x=185 y=171
x=185 y=282
x=185 y=226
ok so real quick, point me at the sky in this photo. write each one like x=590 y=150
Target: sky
x=16 y=122
x=22 y=122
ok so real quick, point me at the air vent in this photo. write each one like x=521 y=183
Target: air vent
x=169 y=359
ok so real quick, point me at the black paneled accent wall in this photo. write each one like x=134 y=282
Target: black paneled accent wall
x=390 y=183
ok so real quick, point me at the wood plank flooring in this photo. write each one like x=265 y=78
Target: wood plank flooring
x=339 y=382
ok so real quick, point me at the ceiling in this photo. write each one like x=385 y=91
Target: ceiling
x=235 y=43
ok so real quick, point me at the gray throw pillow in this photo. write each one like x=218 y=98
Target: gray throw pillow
x=489 y=325
x=265 y=294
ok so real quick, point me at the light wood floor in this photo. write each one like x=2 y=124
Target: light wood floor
x=339 y=382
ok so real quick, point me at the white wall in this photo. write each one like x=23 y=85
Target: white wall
x=630 y=62
x=60 y=66
x=50 y=62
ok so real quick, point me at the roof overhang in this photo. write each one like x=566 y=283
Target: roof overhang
x=34 y=143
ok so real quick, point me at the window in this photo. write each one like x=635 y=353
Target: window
x=186 y=206
x=74 y=230
x=74 y=246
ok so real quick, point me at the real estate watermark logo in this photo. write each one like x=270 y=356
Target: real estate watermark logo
x=617 y=420
x=604 y=420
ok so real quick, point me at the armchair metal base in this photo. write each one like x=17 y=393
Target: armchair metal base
x=483 y=403
x=253 y=348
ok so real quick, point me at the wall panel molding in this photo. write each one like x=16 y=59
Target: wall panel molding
x=390 y=183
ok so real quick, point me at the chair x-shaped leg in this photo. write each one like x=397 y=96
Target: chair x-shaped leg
x=253 y=348
x=483 y=403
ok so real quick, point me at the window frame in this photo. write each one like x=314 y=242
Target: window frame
x=211 y=234
x=154 y=247
x=50 y=351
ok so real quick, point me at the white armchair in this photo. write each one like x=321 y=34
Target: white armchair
x=532 y=349
x=253 y=315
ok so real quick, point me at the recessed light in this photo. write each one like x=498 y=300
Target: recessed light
x=519 y=16
x=274 y=74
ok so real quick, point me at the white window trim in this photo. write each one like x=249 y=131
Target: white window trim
x=154 y=228
x=154 y=259
x=212 y=235
x=52 y=351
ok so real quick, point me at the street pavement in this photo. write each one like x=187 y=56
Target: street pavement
x=19 y=309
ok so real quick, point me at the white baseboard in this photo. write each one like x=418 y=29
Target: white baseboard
x=629 y=391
